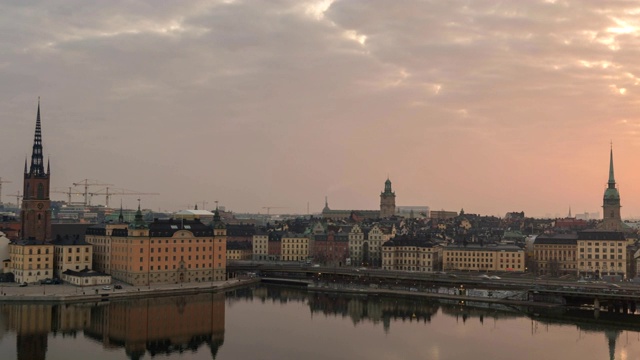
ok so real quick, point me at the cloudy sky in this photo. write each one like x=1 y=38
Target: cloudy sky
x=491 y=106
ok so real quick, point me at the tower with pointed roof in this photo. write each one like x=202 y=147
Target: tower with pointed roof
x=36 y=204
x=611 y=219
x=387 y=201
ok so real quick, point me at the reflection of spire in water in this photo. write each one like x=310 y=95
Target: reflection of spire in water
x=612 y=336
x=32 y=346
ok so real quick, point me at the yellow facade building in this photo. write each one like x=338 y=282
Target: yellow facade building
x=408 y=253
x=555 y=255
x=31 y=261
x=602 y=253
x=71 y=254
x=474 y=257
x=295 y=247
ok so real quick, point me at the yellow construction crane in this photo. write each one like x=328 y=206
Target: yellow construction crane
x=2 y=182
x=86 y=183
x=108 y=193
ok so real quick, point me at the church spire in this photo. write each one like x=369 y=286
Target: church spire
x=612 y=180
x=37 y=162
x=121 y=215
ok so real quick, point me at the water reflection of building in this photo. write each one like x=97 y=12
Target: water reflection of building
x=154 y=326
x=32 y=325
x=358 y=308
x=161 y=325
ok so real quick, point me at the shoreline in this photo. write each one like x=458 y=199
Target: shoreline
x=434 y=296
x=71 y=294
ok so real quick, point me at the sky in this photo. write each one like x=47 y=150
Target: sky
x=486 y=106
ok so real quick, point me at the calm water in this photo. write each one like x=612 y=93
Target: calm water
x=284 y=323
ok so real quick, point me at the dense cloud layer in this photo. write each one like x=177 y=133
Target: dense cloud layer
x=483 y=105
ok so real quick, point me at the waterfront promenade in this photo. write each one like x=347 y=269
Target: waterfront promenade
x=12 y=292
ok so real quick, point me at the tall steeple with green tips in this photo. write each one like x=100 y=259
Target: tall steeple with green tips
x=611 y=219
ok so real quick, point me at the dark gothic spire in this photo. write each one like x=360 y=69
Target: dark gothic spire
x=37 y=162
x=121 y=216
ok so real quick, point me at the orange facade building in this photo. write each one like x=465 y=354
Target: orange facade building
x=167 y=251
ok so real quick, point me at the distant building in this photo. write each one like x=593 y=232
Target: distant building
x=442 y=215
x=413 y=212
x=387 y=208
x=204 y=216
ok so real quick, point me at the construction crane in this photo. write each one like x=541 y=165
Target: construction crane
x=66 y=192
x=108 y=193
x=86 y=183
x=18 y=196
x=273 y=207
x=2 y=182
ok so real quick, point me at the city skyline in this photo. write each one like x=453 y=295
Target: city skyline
x=485 y=107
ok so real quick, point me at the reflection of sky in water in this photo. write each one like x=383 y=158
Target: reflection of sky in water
x=332 y=327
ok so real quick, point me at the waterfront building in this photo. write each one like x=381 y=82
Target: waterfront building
x=602 y=253
x=478 y=257
x=274 y=246
x=295 y=247
x=165 y=251
x=31 y=260
x=331 y=248
x=71 y=254
x=411 y=253
x=239 y=250
x=260 y=244
x=555 y=254
x=99 y=237
x=365 y=244
x=85 y=277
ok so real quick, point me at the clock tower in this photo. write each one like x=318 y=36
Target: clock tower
x=387 y=201
x=36 y=204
